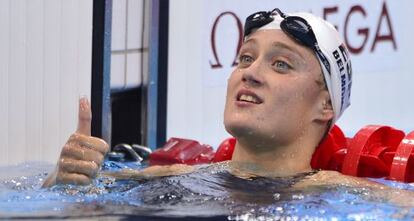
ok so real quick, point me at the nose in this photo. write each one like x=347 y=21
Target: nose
x=252 y=74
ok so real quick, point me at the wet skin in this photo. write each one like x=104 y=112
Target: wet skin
x=82 y=155
x=280 y=126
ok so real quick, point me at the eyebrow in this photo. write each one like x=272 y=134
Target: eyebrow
x=280 y=45
x=295 y=55
x=251 y=42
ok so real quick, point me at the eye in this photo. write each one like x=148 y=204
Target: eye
x=245 y=60
x=281 y=66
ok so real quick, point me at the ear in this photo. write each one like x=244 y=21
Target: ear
x=325 y=111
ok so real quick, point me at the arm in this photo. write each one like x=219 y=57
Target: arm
x=152 y=172
x=394 y=195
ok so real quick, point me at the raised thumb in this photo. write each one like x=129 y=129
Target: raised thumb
x=84 y=117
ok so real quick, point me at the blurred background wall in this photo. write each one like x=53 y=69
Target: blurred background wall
x=45 y=64
x=203 y=42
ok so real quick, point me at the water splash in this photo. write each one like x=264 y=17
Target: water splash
x=210 y=192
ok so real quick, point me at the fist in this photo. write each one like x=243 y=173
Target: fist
x=82 y=155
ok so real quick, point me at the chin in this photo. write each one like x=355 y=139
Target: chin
x=250 y=136
x=238 y=128
x=253 y=133
x=233 y=127
x=240 y=124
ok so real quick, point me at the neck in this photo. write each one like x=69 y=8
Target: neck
x=283 y=160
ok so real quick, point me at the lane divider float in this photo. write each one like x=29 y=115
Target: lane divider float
x=375 y=151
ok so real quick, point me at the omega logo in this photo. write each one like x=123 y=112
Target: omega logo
x=217 y=63
x=383 y=31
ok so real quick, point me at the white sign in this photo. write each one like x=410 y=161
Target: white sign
x=205 y=37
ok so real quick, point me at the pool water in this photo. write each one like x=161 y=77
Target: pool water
x=210 y=193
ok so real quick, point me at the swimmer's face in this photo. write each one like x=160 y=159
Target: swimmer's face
x=275 y=92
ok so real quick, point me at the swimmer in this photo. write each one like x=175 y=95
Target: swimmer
x=291 y=84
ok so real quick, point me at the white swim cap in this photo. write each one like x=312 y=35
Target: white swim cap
x=339 y=78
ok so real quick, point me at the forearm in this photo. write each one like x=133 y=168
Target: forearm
x=152 y=172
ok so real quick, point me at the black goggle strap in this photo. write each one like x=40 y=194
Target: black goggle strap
x=277 y=10
x=322 y=58
x=305 y=35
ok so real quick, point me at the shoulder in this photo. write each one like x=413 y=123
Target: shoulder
x=378 y=191
x=168 y=170
x=327 y=177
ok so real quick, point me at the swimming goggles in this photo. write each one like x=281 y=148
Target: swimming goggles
x=294 y=26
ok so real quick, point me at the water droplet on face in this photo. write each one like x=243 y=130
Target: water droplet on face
x=297 y=197
x=276 y=196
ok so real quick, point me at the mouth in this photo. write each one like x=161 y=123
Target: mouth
x=249 y=97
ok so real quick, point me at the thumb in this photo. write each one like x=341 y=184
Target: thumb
x=84 y=117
